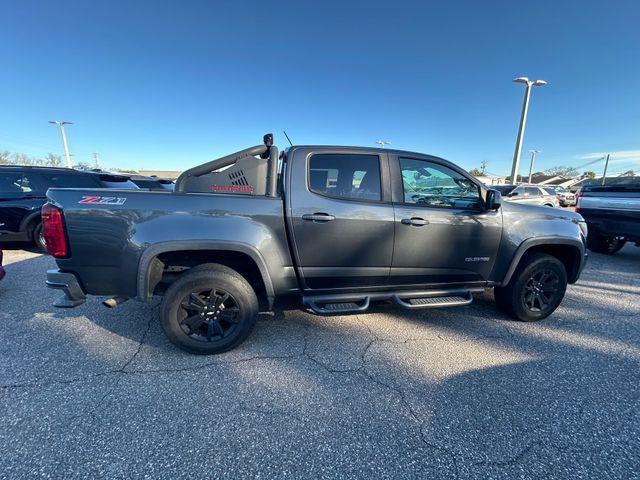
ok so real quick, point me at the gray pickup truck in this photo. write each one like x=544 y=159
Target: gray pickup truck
x=612 y=213
x=331 y=229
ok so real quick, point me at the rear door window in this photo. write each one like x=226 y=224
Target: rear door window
x=19 y=183
x=11 y=182
x=348 y=176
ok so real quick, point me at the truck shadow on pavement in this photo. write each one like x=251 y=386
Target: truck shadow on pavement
x=460 y=392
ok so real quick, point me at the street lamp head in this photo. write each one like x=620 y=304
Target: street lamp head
x=521 y=80
x=539 y=83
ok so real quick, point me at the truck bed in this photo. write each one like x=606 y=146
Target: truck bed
x=109 y=231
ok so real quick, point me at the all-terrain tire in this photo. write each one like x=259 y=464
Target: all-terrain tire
x=194 y=296
x=604 y=244
x=535 y=290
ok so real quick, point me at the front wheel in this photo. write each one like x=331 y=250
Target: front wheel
x=536 y=289
x=209 y=311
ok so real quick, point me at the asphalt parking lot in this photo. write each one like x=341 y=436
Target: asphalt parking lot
x=449 y=393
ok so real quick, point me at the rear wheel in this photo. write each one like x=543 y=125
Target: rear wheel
x=38 y=238
x=209 y=311
x=536 y=289
x=605 y=244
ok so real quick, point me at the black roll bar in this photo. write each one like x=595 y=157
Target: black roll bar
x=266 y=151
x=216 y=164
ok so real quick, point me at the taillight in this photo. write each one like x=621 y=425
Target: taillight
x=53 y=231
x=578 y=198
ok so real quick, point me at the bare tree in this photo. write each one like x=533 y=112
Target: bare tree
x=5 y=158
x=52 y=160
x=23 y=159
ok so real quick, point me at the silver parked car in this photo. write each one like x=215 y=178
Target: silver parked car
x=565 y=197
x=532 y=195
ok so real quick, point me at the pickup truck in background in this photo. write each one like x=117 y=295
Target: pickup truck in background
x=329 y=228
x=612 y=213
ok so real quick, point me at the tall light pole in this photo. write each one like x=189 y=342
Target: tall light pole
x=523 y=122
x=533 y=158
x=61 y=124
x=382 y=143
x=606 y=165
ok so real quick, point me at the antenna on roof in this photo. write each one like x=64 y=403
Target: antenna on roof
x=285 y=134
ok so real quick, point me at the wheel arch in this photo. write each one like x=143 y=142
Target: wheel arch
x=569 y=251
x=150 y=266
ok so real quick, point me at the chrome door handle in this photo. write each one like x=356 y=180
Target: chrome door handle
x=415 y=221
x=318 y=217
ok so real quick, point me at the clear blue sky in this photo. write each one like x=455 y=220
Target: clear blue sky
x=167 y=85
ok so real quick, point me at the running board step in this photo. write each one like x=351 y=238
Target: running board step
x=464 y=298
x=328 y=305
x=354 y=303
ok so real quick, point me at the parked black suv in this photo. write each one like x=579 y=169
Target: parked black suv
x=23 y=192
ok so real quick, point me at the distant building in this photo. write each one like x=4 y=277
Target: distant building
x=543 y=179
x=492 y=180
x=619 y=180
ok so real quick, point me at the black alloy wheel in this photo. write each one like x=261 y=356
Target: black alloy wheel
x=208 y=315
x=535 y=289
x=209 y=309
x=541 y=290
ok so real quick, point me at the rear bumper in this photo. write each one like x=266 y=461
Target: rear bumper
x=68 y=283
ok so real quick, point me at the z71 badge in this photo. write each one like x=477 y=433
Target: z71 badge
x=103 y=200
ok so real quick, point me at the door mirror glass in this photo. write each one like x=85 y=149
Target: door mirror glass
x=494 y=200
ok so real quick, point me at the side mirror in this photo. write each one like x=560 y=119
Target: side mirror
x=494 y=200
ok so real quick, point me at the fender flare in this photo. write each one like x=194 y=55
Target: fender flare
x=151 y=252
x=533 y=242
